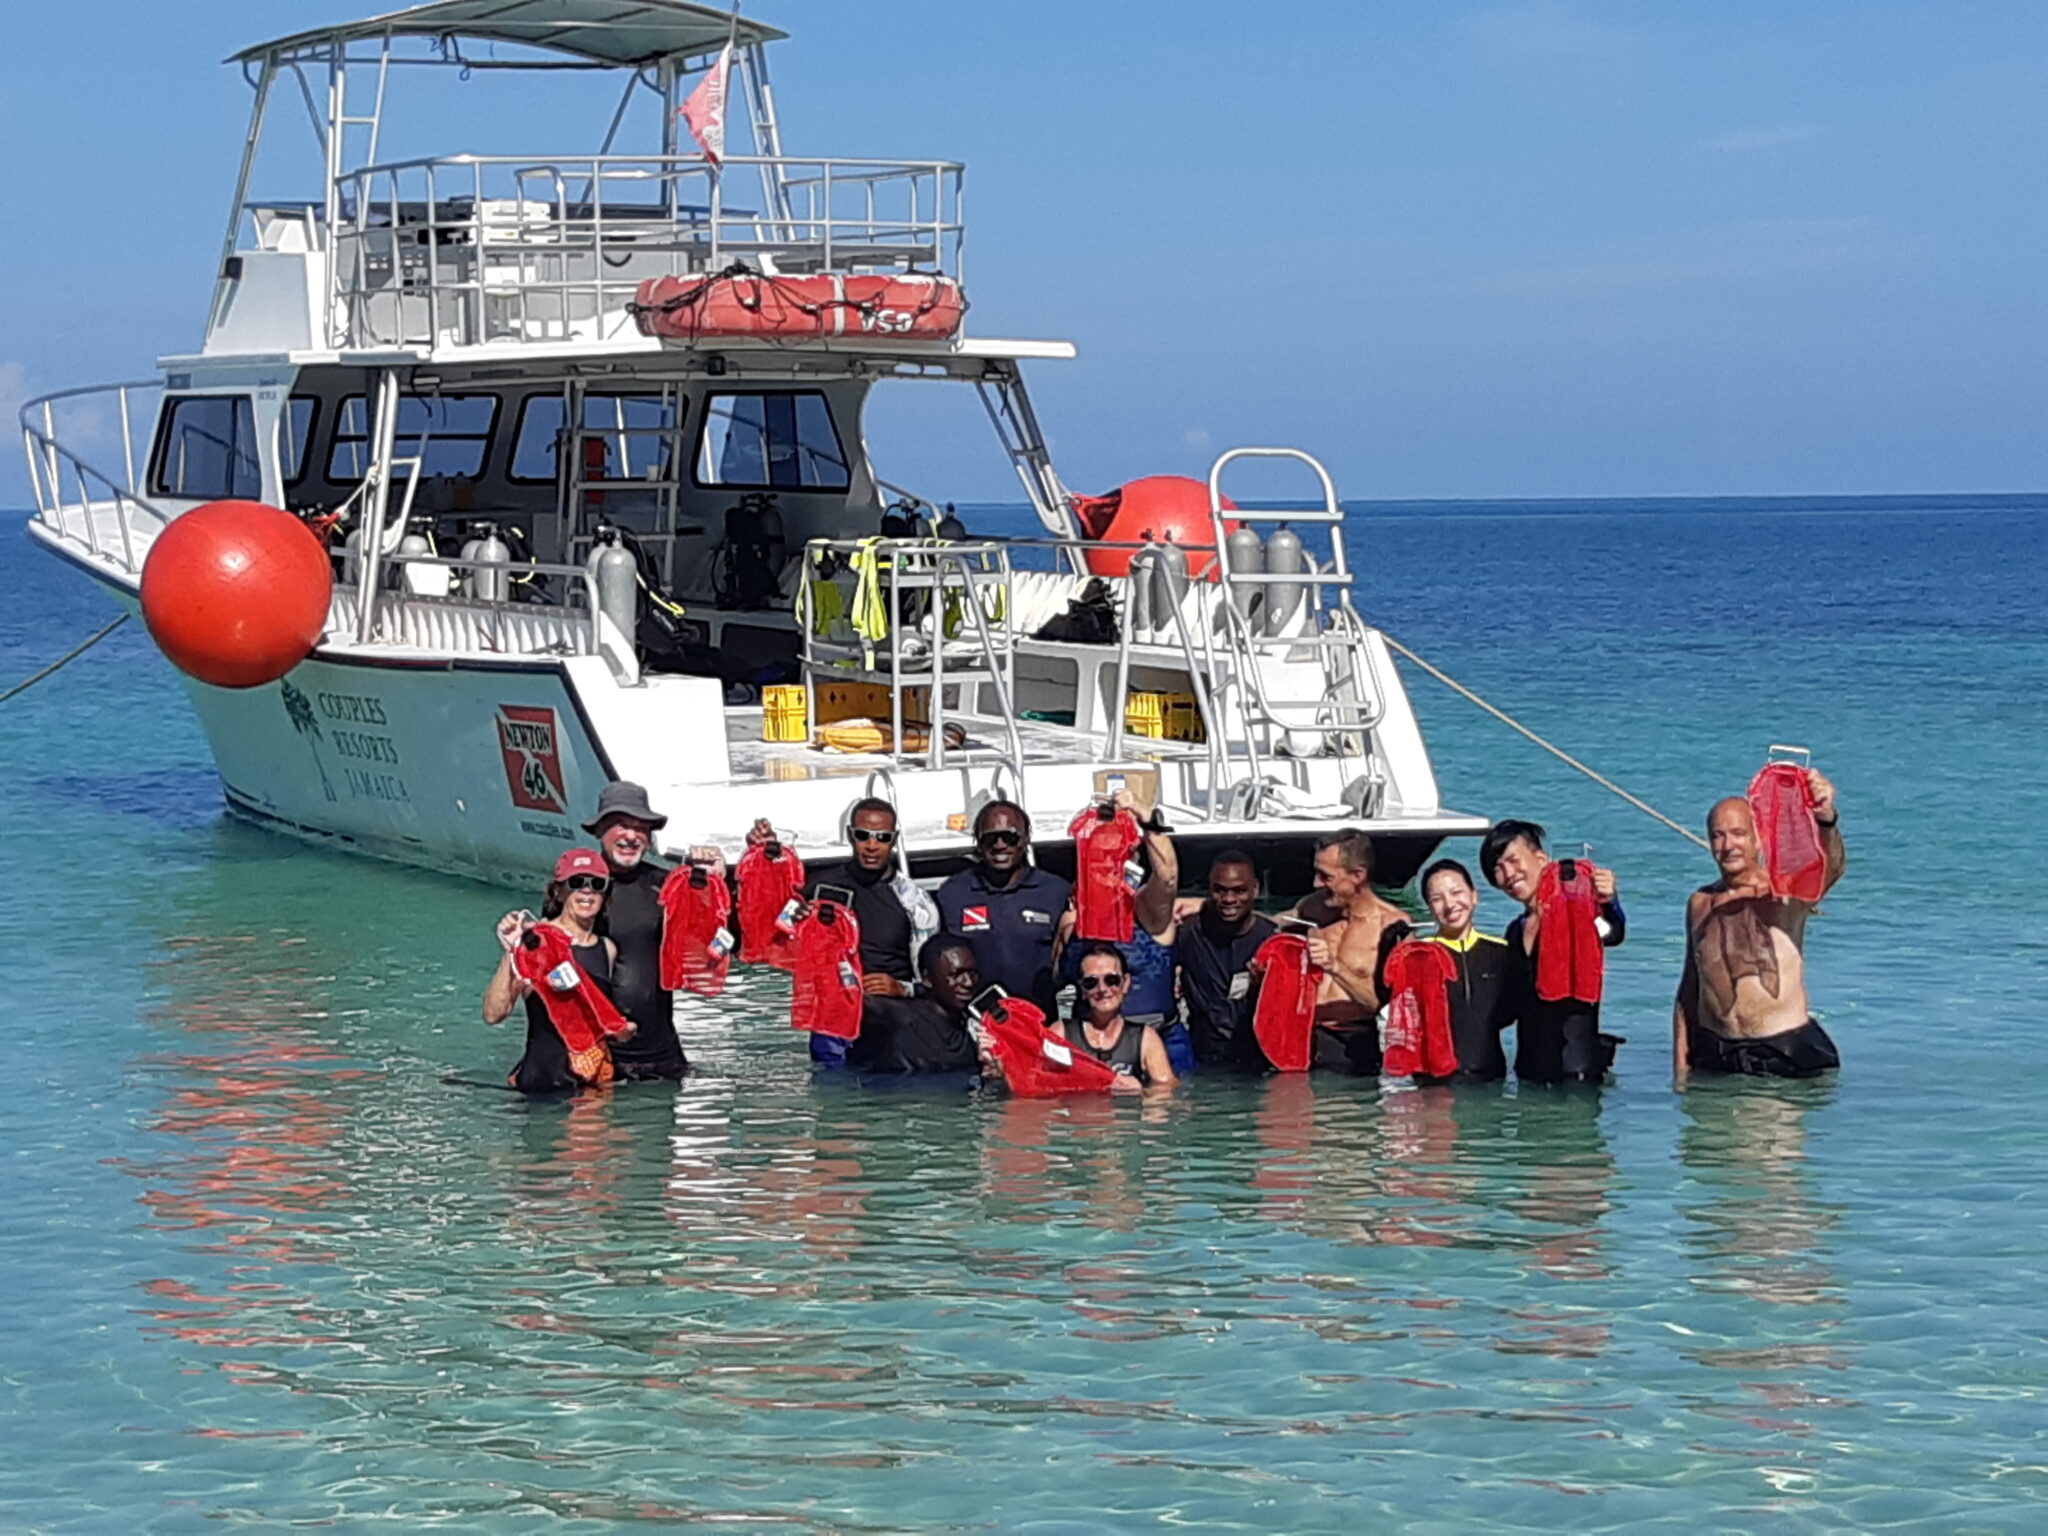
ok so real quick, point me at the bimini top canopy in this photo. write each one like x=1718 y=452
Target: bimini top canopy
x=620 y=32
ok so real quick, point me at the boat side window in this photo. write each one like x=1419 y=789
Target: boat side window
x=300 y=413
x=451 y=435
x=633 y=430
x=206 y=449
x=771 y=440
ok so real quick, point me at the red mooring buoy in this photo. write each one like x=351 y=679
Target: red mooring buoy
x=1166 y=509
x=236 y=593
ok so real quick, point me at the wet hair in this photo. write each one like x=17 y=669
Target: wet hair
x=981 y=816
x=937 y=948
x=1500 y=837
x=871 y=803
x=1447 y=867
x=1233 y=856
x=1352 y=846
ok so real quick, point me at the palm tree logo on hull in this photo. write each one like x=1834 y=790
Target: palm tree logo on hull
x=300 y=709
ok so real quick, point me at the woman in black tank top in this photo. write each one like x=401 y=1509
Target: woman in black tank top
x=1133 y=1051
x=574 y=900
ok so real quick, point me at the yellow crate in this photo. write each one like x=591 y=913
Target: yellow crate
x=869 y=701
x=783 y=713
x=1183 y=718
x=1145 y=714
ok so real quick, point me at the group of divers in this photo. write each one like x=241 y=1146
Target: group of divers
x=1181 y=995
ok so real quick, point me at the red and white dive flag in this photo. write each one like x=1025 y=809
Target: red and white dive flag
x=704 y=112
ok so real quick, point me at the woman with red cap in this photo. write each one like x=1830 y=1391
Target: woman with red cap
x=574 y=901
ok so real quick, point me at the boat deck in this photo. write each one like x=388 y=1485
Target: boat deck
x=1045 y=745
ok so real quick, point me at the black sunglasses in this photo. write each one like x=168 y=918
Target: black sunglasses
x=869 y=835
x=1102 y=983
x=1000 y=837
x=598 y=883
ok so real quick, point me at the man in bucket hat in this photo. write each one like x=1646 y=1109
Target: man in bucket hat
x=624 y=826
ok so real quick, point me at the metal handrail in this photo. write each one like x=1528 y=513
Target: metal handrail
x=47 y=458
x=424 y=227
x=587 y=578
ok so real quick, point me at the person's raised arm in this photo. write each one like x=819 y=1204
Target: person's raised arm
x=1828 y=817
x=1162 y=885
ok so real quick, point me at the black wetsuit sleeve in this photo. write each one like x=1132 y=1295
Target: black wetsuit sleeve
x=1391 y=938
x=1617 y=922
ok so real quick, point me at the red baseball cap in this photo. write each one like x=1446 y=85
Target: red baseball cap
x=581 y=861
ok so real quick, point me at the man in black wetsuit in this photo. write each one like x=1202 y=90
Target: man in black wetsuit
x=887 y=928
x=624 y=826
x=1555 y=1042
x=1214 y=947
x=926 y=1033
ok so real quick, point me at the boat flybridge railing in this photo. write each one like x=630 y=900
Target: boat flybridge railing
x=471 y=250
x=483 y=249
x=102 y=513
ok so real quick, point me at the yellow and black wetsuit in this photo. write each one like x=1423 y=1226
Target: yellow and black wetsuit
x=1481 y=1007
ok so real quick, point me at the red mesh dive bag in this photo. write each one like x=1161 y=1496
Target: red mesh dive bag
x=1782 y=802
x=1570 y=962
x=1284 y=1020
x=825 y=992
x=770 y=874
x=582 y=1015
x=696 y=945
x=1105 y=901
x=1419 y=977
x=1037 y=1062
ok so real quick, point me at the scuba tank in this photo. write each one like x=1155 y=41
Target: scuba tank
x=1139 y=586
x=428 y=580
x=352 y=556
x=1244 y=552
x=1037 y=1063
x=491 y=581
x=825 y=992
x=950 y=526
x=751 y=568
x=617 y=576
x=770 y=875
x=1105 y=898
x=696 y=945
x=1284 y=1019
x=1169 y=582
x=1284 y=557
x=465 y=573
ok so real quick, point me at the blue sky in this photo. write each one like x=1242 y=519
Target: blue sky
x=1543 y=249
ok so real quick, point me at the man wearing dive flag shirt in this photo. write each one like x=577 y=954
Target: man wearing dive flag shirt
x=624 y=827
x=1007 y=907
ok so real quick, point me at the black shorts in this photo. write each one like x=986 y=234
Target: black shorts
x=1350 y=1049
x=1803 y=1052
x=1554 y=1046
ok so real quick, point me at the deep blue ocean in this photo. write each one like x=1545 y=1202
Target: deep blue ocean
x=265 y=1268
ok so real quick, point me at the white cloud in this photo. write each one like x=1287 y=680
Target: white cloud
x=1748 y=141
x=1548 y=29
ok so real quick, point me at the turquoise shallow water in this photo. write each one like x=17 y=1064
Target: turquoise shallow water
x=264 y=1268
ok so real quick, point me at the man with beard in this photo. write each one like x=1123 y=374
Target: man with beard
x=624 y=826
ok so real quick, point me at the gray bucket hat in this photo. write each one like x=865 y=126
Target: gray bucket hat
x=620 y=798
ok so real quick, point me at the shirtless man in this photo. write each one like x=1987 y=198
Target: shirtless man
x=1352 y=952
x=1742 y=1001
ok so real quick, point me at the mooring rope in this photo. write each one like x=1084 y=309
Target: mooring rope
x=1555 y=751
x=71 y=655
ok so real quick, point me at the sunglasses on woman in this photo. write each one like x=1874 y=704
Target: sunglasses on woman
x=1101 y=983
x=869 y=835
x=598 y=883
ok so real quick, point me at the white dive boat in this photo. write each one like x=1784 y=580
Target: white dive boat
x=473 y=368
